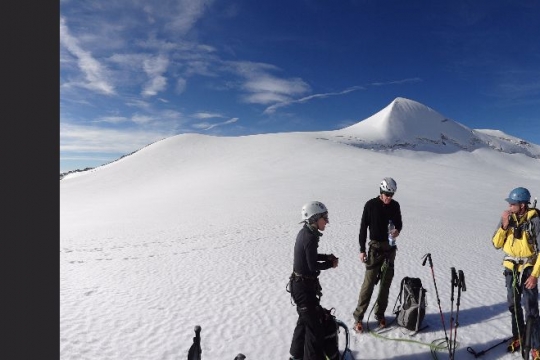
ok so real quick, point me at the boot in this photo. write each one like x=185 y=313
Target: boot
x=381 y=320
x=514 y=345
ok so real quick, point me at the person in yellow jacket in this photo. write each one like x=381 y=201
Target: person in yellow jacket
x=517 y=234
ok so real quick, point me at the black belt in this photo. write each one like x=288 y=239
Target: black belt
x=298 y=276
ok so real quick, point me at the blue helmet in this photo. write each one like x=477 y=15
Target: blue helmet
x=519 y=195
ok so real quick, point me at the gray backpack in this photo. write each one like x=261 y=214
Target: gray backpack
x=412 y=304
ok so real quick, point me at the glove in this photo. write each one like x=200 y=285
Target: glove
x=333 y=260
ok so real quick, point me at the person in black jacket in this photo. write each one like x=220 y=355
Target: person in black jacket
x=308 y=336
x=379 y=213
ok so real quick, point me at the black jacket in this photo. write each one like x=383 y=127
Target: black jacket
x=307 y=261
x=375 y=217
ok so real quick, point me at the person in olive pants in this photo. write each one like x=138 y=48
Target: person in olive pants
x=382 y=216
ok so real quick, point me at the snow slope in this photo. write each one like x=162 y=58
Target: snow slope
x=199 y=230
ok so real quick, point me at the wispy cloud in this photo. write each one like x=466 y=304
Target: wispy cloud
x=95 y=74
x=141 y=119
x=155 y=68
x=265 y=89
x=186 y=13
x=111 y=119
x=206 y=115
x=141 y=104
x=208 y=126
x=271 y=109
x=86 y=139
x=260 y=86
x=396 y=82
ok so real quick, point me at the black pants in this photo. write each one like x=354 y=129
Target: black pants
x=518 y=294
x=308 y=336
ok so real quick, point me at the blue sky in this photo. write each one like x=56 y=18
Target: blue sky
x=134 y=72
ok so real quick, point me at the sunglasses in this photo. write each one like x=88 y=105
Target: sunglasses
x=389 y=194
x=325 y=218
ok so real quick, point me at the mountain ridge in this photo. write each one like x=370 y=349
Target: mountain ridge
x=403 y=124
x=408 y=124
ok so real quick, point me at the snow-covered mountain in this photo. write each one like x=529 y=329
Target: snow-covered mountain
x=199 y=230
x=407 y=124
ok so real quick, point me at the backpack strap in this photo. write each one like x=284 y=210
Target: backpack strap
x=398 y=299
x=421 y=304
x=528 y=226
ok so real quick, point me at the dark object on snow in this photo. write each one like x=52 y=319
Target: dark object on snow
x=459 y=282
x=195 y=349
x=331 y=330
x=331 y=341
x=240 y=357
x=412 y=304
x=346 y=354
x=478 y=354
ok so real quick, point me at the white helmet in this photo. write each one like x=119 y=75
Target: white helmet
x=313 y=208
x=388 y=185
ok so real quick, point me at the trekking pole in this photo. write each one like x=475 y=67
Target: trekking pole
x=426 y=258
x=478 y=354
x=195 y=349
x=453 y=284
x=461 y=287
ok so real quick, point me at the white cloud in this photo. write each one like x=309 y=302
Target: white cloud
x=265 y=98
x=273 y=108
x=208 y=126
x=262 y=87
x=141 y=119
x=155 y=65
x=155 y=68
x=187 y=13
x=286 y=102
x=138 y=103
x=265 y=89
x=111 y=119
x=95 y=74
x=154 y=85
x=78 y=139
x=206 y=115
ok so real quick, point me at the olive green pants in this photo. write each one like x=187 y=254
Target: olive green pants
x=379 y=254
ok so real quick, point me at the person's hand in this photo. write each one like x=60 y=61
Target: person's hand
x=334 y=260
x=531 y=282
x=394 y=233
x=505 y=219
x=363 y=257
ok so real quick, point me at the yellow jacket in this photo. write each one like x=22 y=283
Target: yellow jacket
x=521 y=248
